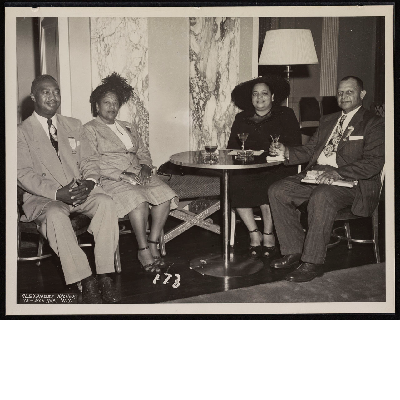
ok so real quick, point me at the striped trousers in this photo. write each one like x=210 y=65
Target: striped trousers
x=324 y=201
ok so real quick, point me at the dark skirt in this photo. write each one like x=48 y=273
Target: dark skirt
x=249 y=188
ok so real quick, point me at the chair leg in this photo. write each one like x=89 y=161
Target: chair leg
x=375 y=226
x=117 y=261
x=40 y=249
x=348 y=235
x=233 y=228
x=162 y=243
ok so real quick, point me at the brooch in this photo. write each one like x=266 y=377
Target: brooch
x=348 y=132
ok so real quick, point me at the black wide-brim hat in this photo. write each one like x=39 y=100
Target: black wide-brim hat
x=242 y=93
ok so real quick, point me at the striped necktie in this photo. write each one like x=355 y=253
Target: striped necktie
x=53 y=135
x=332 y=144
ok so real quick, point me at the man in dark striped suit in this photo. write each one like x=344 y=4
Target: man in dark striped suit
x=348 y=145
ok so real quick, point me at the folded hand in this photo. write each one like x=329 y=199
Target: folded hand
x=328 y=177
x=131 y=178
x=145 y=174
x=277 y=149
x=76 y=192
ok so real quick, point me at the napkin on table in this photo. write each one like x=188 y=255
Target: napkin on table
x=235 y=152
x=275 y=158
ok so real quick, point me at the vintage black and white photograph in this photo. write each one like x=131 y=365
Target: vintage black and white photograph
x=200 y=160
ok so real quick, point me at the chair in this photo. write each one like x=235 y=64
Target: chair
x=309 y=117
x=199 y=198
x=79 y=224
x=198 y=194
x=329 y=105
x=346 y=215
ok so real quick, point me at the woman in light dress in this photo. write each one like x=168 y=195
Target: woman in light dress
x=126 y=169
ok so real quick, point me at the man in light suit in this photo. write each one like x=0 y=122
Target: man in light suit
x=347 y=145
x=57 y=184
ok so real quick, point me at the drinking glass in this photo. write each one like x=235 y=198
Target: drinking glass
x=243 y=137
x=210 y=150
x=275 y=141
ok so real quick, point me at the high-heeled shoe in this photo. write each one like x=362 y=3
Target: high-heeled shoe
x=268 y=251
x=161 y=262
x=149 y=268
x=255 y=251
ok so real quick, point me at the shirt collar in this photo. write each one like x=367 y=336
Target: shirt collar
x=43 y=120
x=350 y=115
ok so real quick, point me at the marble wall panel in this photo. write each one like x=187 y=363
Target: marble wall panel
x=213 y=74
x=121 y=45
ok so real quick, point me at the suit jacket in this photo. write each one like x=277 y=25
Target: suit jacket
x=110 y=154
x=40 y=172
x=361 y=159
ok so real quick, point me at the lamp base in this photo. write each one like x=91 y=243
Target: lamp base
x=287 y=72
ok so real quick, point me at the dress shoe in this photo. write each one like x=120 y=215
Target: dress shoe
x=108 y=290
x=90 y=291
x=287 y=261
x=305 y=272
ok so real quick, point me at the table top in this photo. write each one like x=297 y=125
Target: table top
x=200 y=159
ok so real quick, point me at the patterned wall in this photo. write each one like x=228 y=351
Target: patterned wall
x=213 y=74
x=121 y=45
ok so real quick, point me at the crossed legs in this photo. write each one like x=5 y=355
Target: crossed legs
x=324 y=201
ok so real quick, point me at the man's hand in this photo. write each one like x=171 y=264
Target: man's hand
x=87 y=184
x=328 y=177
x=75 y=193
x=145 y=174
x=277 y=149
x=67 y=194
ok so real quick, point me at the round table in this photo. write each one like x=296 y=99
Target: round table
x=225 y=265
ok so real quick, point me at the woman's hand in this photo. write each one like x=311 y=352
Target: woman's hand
x=145 y=174
x=131 y=178
x=277 y=149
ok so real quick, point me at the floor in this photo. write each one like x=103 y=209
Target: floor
x=139 y=288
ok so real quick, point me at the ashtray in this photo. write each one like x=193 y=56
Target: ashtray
x=241 y=154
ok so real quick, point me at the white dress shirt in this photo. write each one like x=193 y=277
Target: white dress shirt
x=331 y=160
x=121 y=134
x=43 y=122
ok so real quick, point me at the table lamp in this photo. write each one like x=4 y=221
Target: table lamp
x=288 y=47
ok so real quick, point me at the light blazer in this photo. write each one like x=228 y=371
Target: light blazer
x=108 y=151
x=40 y=172
x=361 y=159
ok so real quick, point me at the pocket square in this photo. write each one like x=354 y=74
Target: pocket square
x=356 y=137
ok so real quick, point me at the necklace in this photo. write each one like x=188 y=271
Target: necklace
x=261 y=116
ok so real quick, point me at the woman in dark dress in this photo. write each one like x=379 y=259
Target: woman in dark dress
x=263 y=119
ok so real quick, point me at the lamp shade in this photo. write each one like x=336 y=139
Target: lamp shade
x=288 y=47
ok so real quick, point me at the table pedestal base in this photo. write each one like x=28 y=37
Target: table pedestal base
x=215 y=265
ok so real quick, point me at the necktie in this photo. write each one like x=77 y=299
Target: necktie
x=332 y=144
x=53 y=135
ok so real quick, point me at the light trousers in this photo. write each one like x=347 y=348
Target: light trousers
x=55 y=225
